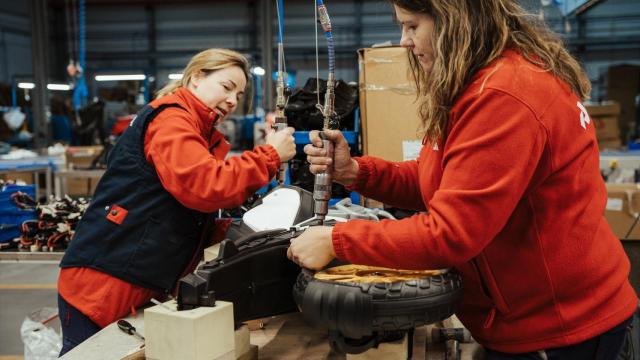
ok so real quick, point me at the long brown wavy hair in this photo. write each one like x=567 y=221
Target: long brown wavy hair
x=206 y=62
x=470 y=34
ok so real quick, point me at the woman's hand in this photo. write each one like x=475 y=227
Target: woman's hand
x=283 y=142
x=345 y=169
x=313 y=249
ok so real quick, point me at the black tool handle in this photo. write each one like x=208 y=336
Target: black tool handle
x=126 y=326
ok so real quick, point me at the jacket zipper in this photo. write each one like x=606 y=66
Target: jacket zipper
x=488 y=322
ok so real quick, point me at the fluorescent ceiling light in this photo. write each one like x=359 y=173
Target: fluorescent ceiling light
x=120 y=77
x=62 y=87
x=257 y=70
x=175 y=76
x=29 y=85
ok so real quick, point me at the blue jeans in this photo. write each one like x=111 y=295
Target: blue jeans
x=76 y=327
x=617 y=343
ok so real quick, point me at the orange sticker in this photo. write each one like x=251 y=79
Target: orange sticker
x=117 y=214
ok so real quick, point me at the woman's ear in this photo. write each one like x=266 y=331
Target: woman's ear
x=195 y=79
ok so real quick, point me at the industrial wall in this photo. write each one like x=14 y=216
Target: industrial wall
x=158 y=38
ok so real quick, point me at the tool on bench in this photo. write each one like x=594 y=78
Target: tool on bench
x=452 y=337
x=126 y=326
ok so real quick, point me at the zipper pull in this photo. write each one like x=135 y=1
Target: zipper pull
x=489 y=321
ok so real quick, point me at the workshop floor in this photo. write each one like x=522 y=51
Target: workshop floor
x=24 y=287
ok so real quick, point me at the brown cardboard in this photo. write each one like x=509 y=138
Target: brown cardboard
x=606 y=127
x=608 y=108
x=81 y=157
x=623 y=85
x=615 y=144
x=26 y=176
x=605 y=121
x=623 y=206
x=388 y=106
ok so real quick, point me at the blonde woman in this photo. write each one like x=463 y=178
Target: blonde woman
x=167 y=172
x=509 y=185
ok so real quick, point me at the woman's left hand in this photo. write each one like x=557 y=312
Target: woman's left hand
x=313 y=249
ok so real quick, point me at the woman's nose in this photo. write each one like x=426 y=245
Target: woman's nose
x=405 y=41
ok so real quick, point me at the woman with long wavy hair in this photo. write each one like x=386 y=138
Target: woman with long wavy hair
x=507 y=183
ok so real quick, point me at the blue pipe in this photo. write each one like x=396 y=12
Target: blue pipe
x=81 y=26
x=280 y=20
x=326 y=26
x=14 y=95
x=80 y=92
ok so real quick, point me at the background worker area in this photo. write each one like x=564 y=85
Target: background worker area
x=147 y=223
x=507 y=182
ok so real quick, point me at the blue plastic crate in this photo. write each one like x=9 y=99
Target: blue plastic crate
x=8 y=190
x=8 y=232
x=16 y=216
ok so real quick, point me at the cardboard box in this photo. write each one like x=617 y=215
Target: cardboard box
x=623 y=85
x=605 y=121
x=623 y=208
x=25 y=176
x=388 y=104
x=610 y=144
x=81 y=157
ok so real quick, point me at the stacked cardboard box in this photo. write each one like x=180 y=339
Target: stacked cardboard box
x=81 y=157
x=605 y=120
x=388 y=104
x=623 y=210
x=623 y=85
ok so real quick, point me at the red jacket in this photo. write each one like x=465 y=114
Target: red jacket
x=189 y=157
x=515 y=202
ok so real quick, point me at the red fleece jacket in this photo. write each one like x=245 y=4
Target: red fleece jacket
x=515 y=202
x=188 y=154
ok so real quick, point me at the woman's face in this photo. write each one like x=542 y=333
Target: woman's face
x=220 y=90
x=417 y=32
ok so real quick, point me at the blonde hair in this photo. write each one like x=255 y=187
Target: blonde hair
x=206 y=62
x=468 y=36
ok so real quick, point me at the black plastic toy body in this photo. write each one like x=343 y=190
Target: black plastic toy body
x=252 y=271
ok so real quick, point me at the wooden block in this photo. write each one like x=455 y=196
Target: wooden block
x=242 y=344
x=137 y=355
x=203 y=333
x=211 y=252
x=251 y=354
x=396 y=350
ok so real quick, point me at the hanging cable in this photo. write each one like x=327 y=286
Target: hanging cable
x=80 y=92
x=67 y=14
x=74 y=24
x=318 y=105
x=323 y=181
x=282 y=91
x=328 y=110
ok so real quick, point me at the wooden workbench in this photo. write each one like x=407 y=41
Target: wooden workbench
x=283 y=337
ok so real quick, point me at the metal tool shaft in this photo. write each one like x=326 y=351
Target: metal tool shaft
x=322 y=185
x=324 y=180
x=281 y=124
x=281 y=101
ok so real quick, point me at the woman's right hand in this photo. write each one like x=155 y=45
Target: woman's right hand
x=345 y=169
x=283 y=142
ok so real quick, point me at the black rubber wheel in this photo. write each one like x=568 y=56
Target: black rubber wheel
x=360 y=311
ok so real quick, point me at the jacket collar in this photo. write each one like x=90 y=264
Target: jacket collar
x=206 y=115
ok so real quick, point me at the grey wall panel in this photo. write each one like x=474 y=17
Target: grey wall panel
x=15 y=43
